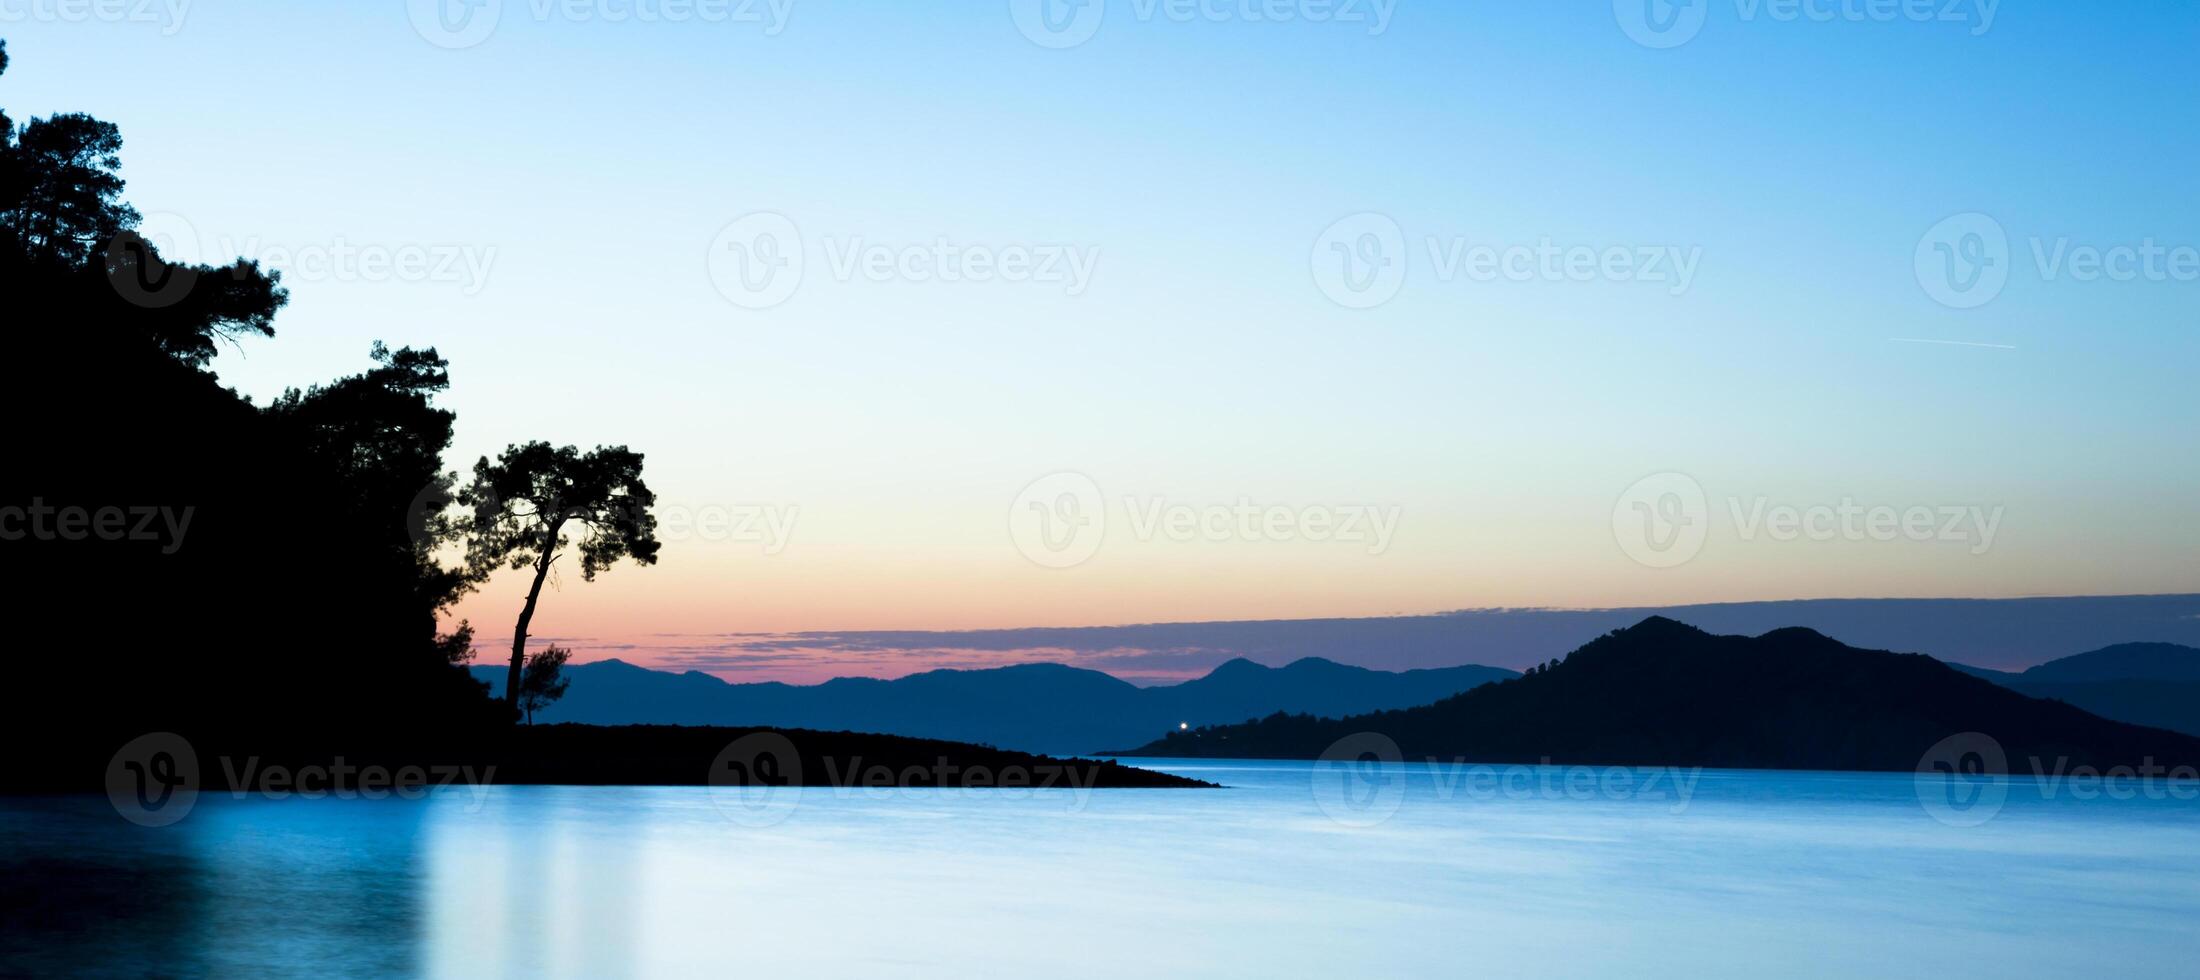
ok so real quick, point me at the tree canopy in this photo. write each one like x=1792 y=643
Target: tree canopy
x=523 y=503
x=295 y=587
x=534 y=490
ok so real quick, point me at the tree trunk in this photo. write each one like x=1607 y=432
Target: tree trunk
x=527 y=615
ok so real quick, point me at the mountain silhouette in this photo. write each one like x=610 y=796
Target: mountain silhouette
x=2001 y=633
x=2122 y=662
x=2155 y=684
x=1029 y=707
x=1665 y=693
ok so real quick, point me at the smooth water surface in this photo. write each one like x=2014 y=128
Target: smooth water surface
x=1294 y=870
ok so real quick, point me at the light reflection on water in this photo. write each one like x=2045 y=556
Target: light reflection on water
x=1412 y=870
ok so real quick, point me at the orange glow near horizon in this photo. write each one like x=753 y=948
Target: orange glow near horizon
x=698 y=595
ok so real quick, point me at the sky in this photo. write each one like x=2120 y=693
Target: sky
x=2004 y=634
x=988 y=315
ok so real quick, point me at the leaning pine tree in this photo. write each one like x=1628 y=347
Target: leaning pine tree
x=521 y=506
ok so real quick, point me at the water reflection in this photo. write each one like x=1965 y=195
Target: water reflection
x=550 y=892
x=241 y=888
x=1791 y=874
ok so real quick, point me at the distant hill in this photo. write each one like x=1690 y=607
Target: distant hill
x=2124 y=662
x=1032 y=707
x=1665 y=693
x=2154 y=684
x=2003 y=633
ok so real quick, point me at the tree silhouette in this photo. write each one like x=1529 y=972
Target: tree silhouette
x=110 y=355
x=523 y=502
x=457 y=646
x=380 y=437
x=544 y=680
x=66 y=199
x=69 y=246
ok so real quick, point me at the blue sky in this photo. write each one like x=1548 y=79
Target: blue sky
x=574 y=177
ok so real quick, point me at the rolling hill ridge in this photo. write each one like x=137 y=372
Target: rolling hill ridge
x=1048 y=708
x=2155 y=684
x=1665 y=693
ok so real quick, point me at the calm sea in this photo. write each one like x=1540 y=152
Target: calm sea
x=1296 y=869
